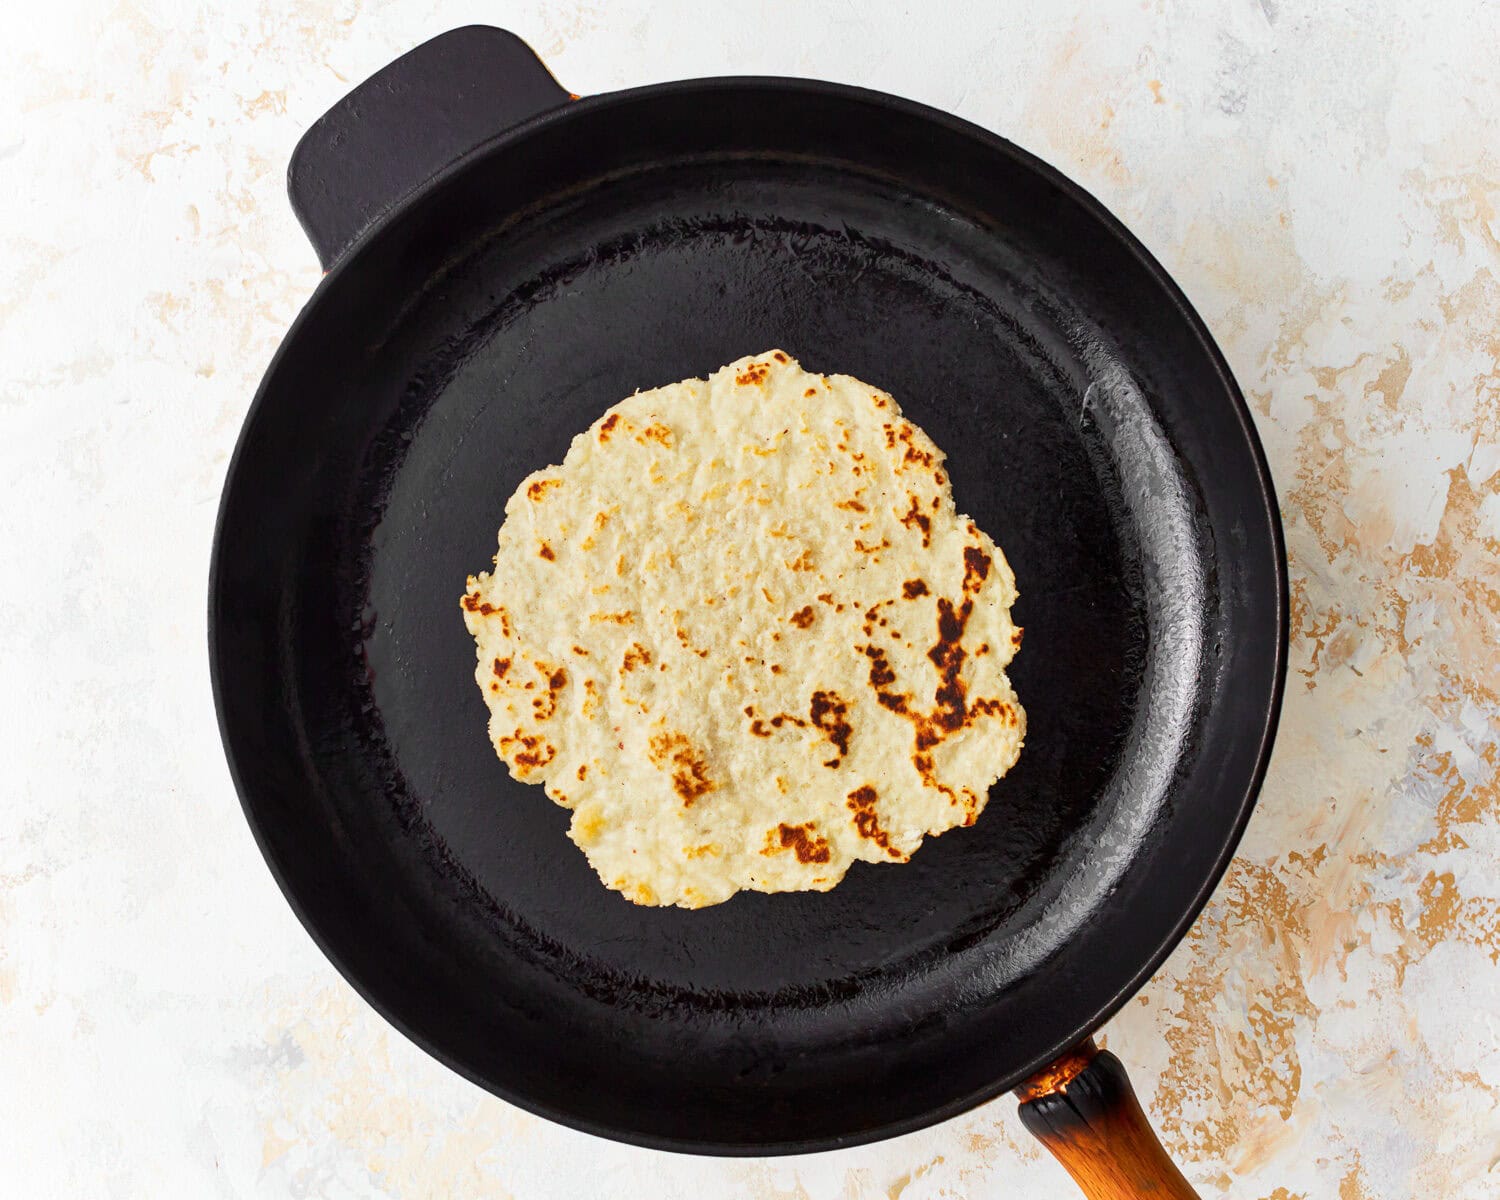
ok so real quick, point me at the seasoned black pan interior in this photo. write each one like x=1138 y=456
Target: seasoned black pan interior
x=628 y=242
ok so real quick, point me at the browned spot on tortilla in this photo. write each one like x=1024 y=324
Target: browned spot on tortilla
x=881 y=677
x=826 y=597
x=538 y=488
x=755 y=373
x=779 y=357
x=976 y=568
x=951 y=711
x=583 y=770
x=545 y=705
x=947 y=655
x=775 y=668
x=922 y=761
x=762 y=728
x=868 y=548
x=580 y=650
x=700 y=851
x=905 y=433
x=636 y=656
x=861 y=803
x=689 y=769
x=1015 y=637
x=993 y=706
x=655 y=432
x=810 y=392
x=500 y=666
x=828 y=711
x=804 y=842
x=609 y=426
x=546 y=552
x=484 y=608
x=619 y=618
x=851 y=506
x=913 y=588
x=803 y=617
x=916 y=518
x=527 y=752
x=803 y=562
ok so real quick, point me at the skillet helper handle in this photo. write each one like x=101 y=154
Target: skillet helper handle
x=1083 y=1109
x=408 y=121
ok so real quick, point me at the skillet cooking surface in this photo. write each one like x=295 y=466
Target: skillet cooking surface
x=1090 y=428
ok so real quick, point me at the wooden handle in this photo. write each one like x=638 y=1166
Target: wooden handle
x=1083 y=1109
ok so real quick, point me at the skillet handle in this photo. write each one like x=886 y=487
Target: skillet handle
x=1083 y=1109
x=397 y=129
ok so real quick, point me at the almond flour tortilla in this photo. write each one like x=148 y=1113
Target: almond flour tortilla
x=744 y=635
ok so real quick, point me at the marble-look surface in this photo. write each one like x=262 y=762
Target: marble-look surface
x=1322 y=178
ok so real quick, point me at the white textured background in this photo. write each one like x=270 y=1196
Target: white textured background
x=1323 y=181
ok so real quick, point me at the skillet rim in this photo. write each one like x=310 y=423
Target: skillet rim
x=1259 y=484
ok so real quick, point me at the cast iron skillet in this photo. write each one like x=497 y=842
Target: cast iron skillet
x=503 y=264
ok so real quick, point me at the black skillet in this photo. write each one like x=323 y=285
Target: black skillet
x=504 y=262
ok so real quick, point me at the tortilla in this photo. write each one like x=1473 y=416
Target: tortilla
x=744 y=635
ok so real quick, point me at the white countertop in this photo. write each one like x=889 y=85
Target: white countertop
x=1322 y=179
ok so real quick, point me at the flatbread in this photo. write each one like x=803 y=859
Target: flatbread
x=743 y=634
